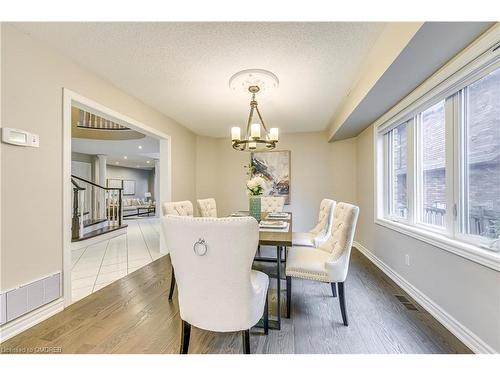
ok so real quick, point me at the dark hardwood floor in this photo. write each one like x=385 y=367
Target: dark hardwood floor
x=133 y=315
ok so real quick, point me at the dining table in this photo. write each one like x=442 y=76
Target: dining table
x=280 y=239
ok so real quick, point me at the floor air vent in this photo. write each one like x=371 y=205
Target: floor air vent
x=406 y=302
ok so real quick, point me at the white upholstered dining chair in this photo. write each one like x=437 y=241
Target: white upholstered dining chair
x=272 y=204
x=180 y=208
x=217 y=288
x=207 y=207
x=329 y=262
x=323 y=229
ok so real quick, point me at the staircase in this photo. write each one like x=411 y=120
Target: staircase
x=97 y=210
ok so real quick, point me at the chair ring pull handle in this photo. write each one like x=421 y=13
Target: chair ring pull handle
x=200 y=247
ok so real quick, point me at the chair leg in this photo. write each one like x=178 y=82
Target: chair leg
x=185 y=335
x=334 y=289
x=246 y=341
x=266 y=315
x=342 y=304
x=172 y=285
x=288 y=296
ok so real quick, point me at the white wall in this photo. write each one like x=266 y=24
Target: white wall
x=467 y=291
x=318 y=170
x=33 y=78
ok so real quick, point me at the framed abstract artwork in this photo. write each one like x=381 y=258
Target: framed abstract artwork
x=274 y=167
x=114 y=183
x=128 y=187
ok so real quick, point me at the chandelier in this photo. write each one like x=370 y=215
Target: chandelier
x=257 y=136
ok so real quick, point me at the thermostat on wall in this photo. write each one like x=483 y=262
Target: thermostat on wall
x=20 y=137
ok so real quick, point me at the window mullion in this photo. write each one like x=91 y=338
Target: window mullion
x=411 y=170
x=386 y=174
x=460 y=154
x=417 y=162
x=450 y=150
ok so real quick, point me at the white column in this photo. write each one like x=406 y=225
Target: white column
x=102 y=173
x=156 y=188
x=102 y=169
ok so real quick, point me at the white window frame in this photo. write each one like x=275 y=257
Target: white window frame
x=388 y=176
x=459 y=156
x=474 y=62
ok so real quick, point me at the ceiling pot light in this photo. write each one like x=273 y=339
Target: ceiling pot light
x=140 y=147
x=125 y=157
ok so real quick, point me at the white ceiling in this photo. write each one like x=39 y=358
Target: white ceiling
x=182 y=69
x=117 y=150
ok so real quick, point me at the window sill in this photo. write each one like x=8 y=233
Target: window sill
x=490 y=259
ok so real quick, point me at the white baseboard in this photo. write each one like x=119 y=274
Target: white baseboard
x=29 y=320
x=470 y=339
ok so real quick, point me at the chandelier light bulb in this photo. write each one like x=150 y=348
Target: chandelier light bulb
x=255 y=131
x=235 y=133
x=274 y=134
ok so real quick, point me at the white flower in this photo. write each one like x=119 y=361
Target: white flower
x=259 y=181
x=255 y=182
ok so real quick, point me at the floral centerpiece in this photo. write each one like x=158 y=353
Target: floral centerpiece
x=255 y=188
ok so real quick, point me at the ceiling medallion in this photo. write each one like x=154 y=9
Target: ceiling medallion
x=257 y=136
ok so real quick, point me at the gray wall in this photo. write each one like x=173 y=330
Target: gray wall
x=141 y=177
x=467 y=291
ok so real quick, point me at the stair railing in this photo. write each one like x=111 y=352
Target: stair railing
x=94 y=202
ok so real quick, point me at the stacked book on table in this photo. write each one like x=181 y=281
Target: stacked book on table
x=278 y=215
x=273 y=224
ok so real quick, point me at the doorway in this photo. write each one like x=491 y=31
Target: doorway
x=143 y=202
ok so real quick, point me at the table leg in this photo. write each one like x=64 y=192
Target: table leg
x=275 y=324
x=278 y=287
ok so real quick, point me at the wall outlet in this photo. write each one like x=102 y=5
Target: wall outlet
x=407 y=259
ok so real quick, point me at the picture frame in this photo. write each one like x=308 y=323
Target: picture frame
x=274 y=166
x=128 y=187
x=114 y=183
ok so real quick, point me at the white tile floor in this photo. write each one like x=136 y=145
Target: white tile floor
x=100 y=264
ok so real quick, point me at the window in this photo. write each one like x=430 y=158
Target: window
x=397 y=145
x=481 y=157
x=431 y=126
x=438 y=169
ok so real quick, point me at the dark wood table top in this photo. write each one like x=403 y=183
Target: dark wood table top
x=276 y=238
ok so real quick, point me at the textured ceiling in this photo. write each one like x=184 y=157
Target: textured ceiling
x=182 y=69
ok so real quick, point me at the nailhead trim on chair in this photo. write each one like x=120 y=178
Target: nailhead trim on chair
x=315 y=276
